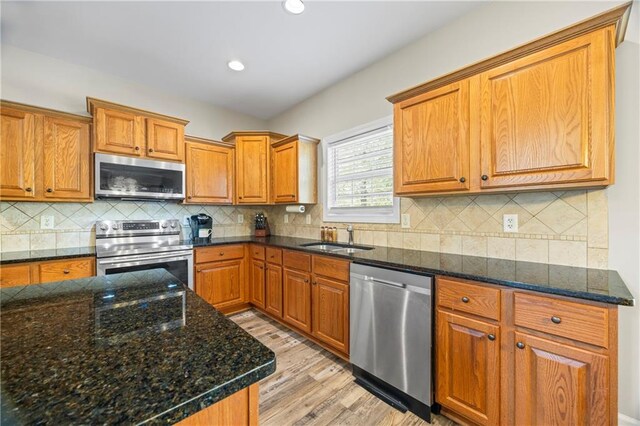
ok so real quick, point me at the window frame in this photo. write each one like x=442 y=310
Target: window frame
x=389 y=215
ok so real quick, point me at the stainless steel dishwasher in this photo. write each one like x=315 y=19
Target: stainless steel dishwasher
x=390 y=345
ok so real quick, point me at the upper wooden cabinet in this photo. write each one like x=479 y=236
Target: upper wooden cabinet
x=431 y=134
x=45 y=156
x=538 y=117
x=253 y=159
x=210 y=171
x=294 y=170
x=123 y=130
x=548 y=118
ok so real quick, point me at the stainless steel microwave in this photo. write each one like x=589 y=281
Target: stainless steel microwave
x=135 y=178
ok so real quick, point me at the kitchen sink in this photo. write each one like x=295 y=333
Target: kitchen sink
x=336 y=248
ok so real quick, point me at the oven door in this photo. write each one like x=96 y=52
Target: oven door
x=178 y=263
x=126 y=177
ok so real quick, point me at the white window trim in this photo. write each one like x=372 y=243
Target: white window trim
x=356 y=215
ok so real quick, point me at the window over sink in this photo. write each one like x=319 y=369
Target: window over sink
x=358 y=175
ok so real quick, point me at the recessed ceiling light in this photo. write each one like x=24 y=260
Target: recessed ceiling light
x=236 y=65
x=295 y=7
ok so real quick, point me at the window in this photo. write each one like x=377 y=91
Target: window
x=358 y=175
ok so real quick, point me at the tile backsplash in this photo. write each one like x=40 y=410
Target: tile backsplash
x=562 y=227
x=75 y=222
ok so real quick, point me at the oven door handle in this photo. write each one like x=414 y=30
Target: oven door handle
x=141 y=260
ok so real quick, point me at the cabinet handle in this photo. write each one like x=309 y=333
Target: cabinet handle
x=556 y=320
x=137 y=148
x=49 y=190
x=66 y=271
x=463 y=179
x=491 y=337
x=150 y=149
x=520 y=345
x=465 y=299
x=484 y=177
x=28 y=189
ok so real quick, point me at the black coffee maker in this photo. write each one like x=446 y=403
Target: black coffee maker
x=201 y=227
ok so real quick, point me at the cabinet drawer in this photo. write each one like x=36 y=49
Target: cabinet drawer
x=257 y=252
x=213 y=254
x=297 y=260
x=331 y=267
x=577 y=321
x=468 y=297
x=14 y=275
x=60 y=270
x=274 y=255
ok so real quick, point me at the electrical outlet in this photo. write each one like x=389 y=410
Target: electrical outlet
x=510 y=223
x=286 y=218
x=406 y=220
x=240 y=218
x=307 y=219
x=47 y=222
x=185 y=219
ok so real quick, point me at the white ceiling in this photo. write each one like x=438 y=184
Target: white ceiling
x=183 y=47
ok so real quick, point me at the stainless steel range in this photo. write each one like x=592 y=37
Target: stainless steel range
x=135 y=245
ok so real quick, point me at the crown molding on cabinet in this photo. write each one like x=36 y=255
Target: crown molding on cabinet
x=93 y=103
x=188 y=138
x=45 y=111
x=272 y=135
x=301 y=138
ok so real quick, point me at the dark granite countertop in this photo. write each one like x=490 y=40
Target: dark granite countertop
x=582 y=283
x=35 y=255
x=130 y=348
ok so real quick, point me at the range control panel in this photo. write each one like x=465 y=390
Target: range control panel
x=114 y=228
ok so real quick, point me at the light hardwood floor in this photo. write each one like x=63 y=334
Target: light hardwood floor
x=314 y=387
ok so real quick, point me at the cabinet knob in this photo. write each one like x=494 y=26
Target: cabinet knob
x=465 y=299
x=221 y=253
x=49 y=190
x=137 y=148
x=491 y=337
x=199 y=270
x=240 y=197
x=28 y=189
x=315 y=283
x=189 y=197
x=520 y=345
x=66 y=271
x=484 y=177
x=556 y=320
x=463 y=179
x=306 y=281
x=150 y=149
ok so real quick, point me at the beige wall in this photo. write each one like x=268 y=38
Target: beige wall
x=40 y=80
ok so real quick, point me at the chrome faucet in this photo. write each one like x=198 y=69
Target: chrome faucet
x=350 y=231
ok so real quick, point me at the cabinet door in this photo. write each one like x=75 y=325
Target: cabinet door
x=257 y=283
x=15 y=275
x=273 y=297
x=559 y=384
x=547 y=118
x=165 y=140
x=252 y=166
x=209 y=174
x=17 y=156
x=297 y=299
x=221 y=283
x=468 y=367
x=118 y=132
x=331 y=312
x=67 y=159
x=431 y=141
x=285 y=173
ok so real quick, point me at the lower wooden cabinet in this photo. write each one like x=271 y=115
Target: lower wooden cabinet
x=47 y=271
x=468 y=367
x=331 y=312
x=257 y=283
x=297 y=299
x=222 y=284
x=273 y=290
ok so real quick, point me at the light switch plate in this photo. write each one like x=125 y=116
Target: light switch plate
x=307 y=219
x=47 y=222
x=406 y=220
x=510 y=223
x=286 y=218
x=240 y=218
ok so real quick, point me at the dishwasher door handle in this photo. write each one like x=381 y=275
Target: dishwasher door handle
x=385 y=282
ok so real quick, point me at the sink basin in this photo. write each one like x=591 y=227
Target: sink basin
x=336 y=248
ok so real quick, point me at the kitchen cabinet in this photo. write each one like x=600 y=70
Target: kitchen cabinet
x=210 y=170
x=133 y=132
x=46 y=271
x=46 y=155
x=274 y=297
x=331 y=312
x=294 y=170
x=540 y=116
x=431 y=141
x=507 y=356
x=220 y=277
x=257 y=276
x=297 y=299
x=253 y=165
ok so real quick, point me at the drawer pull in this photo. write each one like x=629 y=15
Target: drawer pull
x=66 y=271
x=520 y=345
x=221 y=253
x=491 y=337
x=465 y=299
x=150 y=149
x=463 y=179
x=556 y=320
x=137 y=148
x=49 y=190
x=28 y=189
